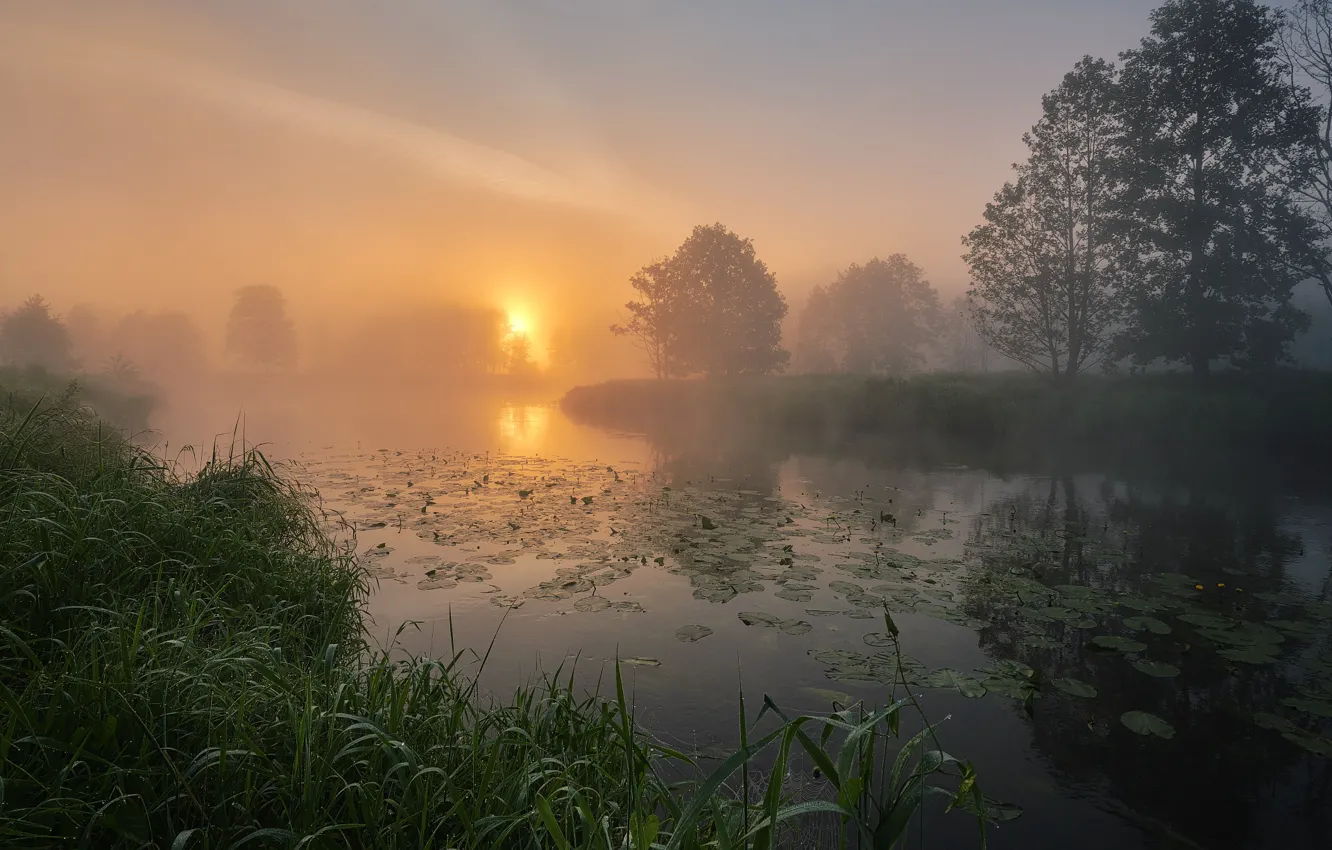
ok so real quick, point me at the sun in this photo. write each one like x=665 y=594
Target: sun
x=517 y=324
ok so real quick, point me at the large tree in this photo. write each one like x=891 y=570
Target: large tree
x=32 y=335
x=876 y=318
x=1216 y=143
x=1045 y=263
x=1307 y=40
x=712 y=307
x=258 y=329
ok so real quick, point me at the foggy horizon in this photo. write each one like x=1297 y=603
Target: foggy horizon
x=387 y=159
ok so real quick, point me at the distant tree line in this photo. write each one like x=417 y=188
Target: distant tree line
x=1168 y=206
x=1166 y=210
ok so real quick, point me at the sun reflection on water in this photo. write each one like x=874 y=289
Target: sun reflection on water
x=523 y=428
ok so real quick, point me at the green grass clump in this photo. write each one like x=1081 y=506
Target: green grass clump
x=183 y=665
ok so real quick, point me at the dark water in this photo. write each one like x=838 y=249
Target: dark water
x=1205 y=609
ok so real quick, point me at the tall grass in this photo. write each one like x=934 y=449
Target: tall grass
x=182 y=665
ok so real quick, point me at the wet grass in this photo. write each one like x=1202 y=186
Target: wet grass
x=997 y=418
x=183 y=665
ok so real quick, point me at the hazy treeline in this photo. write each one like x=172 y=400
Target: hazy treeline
x=143 y=346
x=1167 y=210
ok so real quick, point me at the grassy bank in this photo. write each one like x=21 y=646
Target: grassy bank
x=1283 y=416
x=121 y=404
x=182 y=665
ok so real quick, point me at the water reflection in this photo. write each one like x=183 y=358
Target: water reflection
x=1064 y=573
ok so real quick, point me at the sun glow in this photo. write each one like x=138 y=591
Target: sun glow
x=518 y=324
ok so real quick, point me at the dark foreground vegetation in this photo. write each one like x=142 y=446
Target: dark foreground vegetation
x=183 y=664
x=1014 y=418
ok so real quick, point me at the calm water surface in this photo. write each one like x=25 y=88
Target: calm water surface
x=712 y=570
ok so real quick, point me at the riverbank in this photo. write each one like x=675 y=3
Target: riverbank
x=1282 y=417
x=184 y=664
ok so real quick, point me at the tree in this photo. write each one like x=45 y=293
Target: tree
x=712 y=308
x=34 y=336
x=874 y=319
x=1307 y=49
x=1216 y=143
x=1044 y=265
x=518 y=354
x=258 y=329
x=657 y=319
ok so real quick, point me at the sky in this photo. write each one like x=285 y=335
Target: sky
x=526 y=155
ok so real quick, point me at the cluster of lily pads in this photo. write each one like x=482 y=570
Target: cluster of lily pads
x=835 y=557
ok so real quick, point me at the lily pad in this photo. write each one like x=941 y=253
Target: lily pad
x=1316 y=707
x=758 y=618
x=641 y=662
x=692 y=633
x=1159 y=669
x=879 y=639
x=795 y=627
x=1075 y=687
x=1147 y=624
x=794 y=594
x=1249 y=654
x=969 y=686
x=1040 y=642
x=1146 y=723
x=1316 y=744
x=1117 y=643
x=592 y=604
x=1208 y=621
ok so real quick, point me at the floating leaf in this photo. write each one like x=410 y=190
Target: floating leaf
x=758 y=618
x=1295 y=627
x=878 y=639
x=592 y=604
x=1075 y=687
x=1040 y=642
x=1210 y=621
x=1316 y=707
x=969 y=686
x=1018 y=689
x=641 y=662
x=1249 y=654
x=1139 y=603
x=1147 y=624
x=692 y=634
x=795 y=627
x=794 y=594
x=1158 y=669
x=707 y=524
x=1146 y=723
x=1266 y=720
x=1316 y=744
x=1117 y=643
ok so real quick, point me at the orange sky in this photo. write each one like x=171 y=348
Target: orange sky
x=522 y=155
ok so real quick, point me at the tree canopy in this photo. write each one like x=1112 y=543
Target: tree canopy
x=876 y=318
x=258 y=329
x=1044 y=263
x=32 y=335
x=711 y=308
x=1215 y=143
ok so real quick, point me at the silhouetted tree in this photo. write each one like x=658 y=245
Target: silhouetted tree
x=657 y=319
x=1044 y=263
x=874 y=319
x=32 y=335
x=1216 y=143
x=1307 y=43
x=712 y=308
x=258 y=329
x=518 y=354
